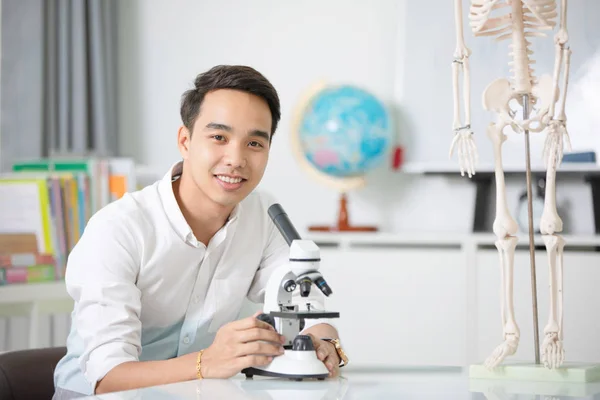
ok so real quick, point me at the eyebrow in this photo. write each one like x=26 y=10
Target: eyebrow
x=261 y=134
x=220 y=127
x=227 y=128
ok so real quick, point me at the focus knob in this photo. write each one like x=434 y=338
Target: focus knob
x=268 y=319
x=303 y=343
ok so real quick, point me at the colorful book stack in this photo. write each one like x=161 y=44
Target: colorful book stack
x=44 y=207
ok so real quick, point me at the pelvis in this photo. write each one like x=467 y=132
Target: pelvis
x=499 y=96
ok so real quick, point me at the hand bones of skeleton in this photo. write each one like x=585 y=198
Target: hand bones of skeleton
x=518 y=21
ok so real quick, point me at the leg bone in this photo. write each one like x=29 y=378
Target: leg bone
x=559 y=284
x=552 y=347
x=505 y=228
x=510 y=329
x=504 y=224
x=551 y=221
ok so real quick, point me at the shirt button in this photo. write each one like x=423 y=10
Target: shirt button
x=186 y=340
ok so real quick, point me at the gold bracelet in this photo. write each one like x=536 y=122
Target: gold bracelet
x=199 y=365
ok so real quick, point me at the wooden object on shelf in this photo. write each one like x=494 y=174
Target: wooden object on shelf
x=343 y=224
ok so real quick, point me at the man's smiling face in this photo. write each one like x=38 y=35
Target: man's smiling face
x=228 y=150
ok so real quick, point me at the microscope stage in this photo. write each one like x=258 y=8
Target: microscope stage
x=304 y=314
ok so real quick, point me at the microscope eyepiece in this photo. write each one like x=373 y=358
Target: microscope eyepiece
x=283 y=223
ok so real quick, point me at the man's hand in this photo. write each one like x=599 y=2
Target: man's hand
x=241 y=344
x=326 y=352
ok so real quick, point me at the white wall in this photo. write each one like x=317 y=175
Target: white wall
x=430 y=41
x=394 y=48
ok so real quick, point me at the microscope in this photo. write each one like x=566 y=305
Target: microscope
x=299 y=360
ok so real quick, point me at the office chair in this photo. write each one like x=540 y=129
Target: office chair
x=29 y=374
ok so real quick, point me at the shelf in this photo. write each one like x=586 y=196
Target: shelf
x=434 y=239
x=388 y=238
x=453 y=169
x=35 y=291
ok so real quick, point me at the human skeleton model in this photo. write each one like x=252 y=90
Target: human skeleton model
x=517 y=21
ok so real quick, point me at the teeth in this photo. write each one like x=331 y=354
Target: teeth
x=228 y=179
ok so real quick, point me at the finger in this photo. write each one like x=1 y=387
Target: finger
x=465 y=156
x=474 y=151
x=559 y=149
x=453 y=145
x=312 y=337
x=474 y=155
x=320 y=348
x=332 y=365
x=322 y=353
x=254 y=334
x=461 y=158
x=461 y=154
x=335 y=372
x=259 y=348
x=569 y=147
x=471 y=157
x=316 y=342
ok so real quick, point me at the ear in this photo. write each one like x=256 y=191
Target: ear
x=184 y=141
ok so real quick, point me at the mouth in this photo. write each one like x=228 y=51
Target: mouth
x=230 y=182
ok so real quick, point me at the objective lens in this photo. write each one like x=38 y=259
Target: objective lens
x=305 y=285
x=321 y=284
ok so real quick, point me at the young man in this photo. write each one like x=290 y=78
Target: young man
x=159 y=276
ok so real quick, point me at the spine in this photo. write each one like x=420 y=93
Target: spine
x=522 y=73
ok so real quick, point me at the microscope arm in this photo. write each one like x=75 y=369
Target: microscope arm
x=275 y=293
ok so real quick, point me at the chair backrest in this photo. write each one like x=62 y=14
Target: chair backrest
x=29 y=374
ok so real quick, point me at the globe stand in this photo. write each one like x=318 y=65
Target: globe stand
x=343 y=224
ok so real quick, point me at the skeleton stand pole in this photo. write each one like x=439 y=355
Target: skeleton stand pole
x=536 y=336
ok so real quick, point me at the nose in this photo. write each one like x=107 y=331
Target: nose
x=235 y=157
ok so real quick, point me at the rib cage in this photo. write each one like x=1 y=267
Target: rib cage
x=481 y=21
x=544 y=14
x=538 y=16
x=494 y=18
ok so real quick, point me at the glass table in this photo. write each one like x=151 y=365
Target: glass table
x=401 y=384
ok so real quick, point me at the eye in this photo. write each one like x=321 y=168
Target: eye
x=218 y=137
x=255 y=144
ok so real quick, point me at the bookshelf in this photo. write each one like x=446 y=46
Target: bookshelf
x=34 y=301
x=46 y=204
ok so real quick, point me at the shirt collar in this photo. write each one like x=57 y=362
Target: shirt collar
x=171 y=207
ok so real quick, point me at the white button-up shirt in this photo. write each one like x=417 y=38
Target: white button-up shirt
x=146 y=289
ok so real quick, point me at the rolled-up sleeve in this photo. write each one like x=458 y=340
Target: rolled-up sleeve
x=276 y=254
x=101 y=278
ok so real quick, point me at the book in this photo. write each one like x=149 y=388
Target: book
x=45 y=205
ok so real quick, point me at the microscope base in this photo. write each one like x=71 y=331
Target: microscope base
x=293 y=364
x=250 y=372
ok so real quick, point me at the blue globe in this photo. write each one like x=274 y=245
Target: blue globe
x=345 y=131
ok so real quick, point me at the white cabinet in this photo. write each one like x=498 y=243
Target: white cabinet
x=435 y=299
x=398 y=306
x=581 y=317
